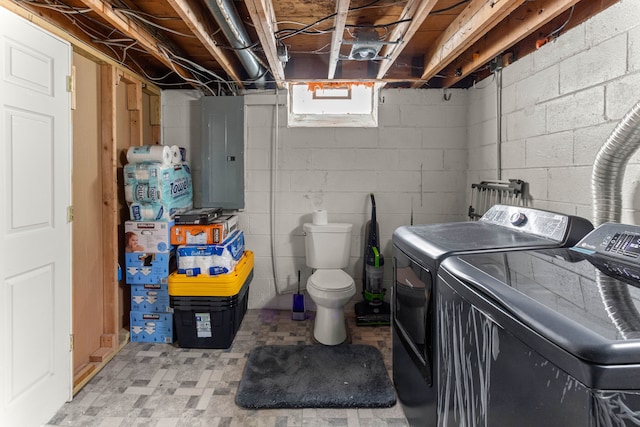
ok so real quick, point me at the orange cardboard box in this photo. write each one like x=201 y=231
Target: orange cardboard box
x=209 y=234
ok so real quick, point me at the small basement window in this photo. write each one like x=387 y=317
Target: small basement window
x=337 y=104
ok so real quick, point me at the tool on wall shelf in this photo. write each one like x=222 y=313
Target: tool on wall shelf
x=513 y=192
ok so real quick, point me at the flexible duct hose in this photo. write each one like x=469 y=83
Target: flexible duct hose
x=606 y=190
x=232 y=27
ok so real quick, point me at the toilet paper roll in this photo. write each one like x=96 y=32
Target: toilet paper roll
x=142 y=193
x=149 y=154
x=186 y=262
x=319 y=217
x=128 y=193
x=176 y=158
x=204 y=263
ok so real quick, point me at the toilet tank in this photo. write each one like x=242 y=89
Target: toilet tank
x=327 y=246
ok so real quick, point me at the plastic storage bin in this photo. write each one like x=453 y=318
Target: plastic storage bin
x=209 y=322
x=223 y=285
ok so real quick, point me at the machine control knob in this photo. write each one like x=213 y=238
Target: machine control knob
x=518 y=219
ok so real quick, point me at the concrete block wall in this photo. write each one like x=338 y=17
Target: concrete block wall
x=414 y=161
x=559 y=105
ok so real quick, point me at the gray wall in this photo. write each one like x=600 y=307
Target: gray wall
x=559 y=105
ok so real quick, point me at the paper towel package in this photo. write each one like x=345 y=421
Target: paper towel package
x=150 y=298
x=154 y=182
x=148 y=268
x=211 y=260
x=151 y=327
x=149 y=154
x=147 y=236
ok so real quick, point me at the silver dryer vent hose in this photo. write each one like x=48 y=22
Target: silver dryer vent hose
x=606 y=190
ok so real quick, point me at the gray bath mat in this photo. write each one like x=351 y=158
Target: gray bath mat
x=315 y=376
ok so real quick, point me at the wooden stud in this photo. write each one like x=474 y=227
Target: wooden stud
x=109 y=198
x=476 y=20
x=198 y=27
x=264 y=20
x=342 y=9
x=417 y=11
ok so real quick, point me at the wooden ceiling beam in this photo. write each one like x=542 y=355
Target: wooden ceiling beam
x=479 y=17
x=264 y=21
x=127 y=26
x=340 y=20
x=199 y=29
x=417 y=11
x=507 y=34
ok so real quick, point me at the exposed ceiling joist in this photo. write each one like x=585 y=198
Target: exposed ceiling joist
x=477 y=19
x=342 y=9
x=415 y=10
x=174 y=43
x=264 y=20
x=508 y=33
x=127 y=26
x=199 y=29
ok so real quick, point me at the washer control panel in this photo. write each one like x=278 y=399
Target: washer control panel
x=551 y=225
x=615 y=249
x=620 y=241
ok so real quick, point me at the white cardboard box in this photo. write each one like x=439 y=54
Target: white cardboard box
x=151 y=236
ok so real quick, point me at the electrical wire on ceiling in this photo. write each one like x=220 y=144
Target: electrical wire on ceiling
x=137 y=16
x=120 y=47
x=301 y=30
x=557 y=30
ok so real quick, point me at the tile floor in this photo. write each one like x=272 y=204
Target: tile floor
x=162 y=385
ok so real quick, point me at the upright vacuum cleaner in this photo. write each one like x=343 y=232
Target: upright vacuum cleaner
x=373 y=311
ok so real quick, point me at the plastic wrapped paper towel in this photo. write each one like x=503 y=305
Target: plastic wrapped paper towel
x=211 y=260
x=150 y=154
x=154 y=183
x=176 y=157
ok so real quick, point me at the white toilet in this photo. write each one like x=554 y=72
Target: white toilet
x=327 y=249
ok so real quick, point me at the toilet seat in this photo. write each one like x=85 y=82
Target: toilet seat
x=333 y=280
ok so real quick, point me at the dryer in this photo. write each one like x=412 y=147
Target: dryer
x=544 y=337
x=418 y=252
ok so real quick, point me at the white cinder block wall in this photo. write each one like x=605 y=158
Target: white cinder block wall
x=559 y=105
x=416 y=159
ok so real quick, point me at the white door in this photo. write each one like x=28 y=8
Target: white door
x=35 y=237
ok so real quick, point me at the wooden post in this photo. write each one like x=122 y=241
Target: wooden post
x=109 y=204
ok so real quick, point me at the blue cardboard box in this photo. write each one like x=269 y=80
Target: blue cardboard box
x=144 y=268
x=150 y=298
x=151 y=327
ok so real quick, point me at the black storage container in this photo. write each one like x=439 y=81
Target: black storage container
x=209 y=321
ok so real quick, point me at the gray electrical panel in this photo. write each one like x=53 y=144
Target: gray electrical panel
x=219 y=173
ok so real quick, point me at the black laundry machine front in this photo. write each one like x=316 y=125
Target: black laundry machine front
x=418 y=252
x=545 y=337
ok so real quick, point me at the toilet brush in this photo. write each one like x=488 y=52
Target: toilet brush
x=298 y=304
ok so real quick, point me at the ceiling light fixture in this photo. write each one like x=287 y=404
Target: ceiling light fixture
x=366 y=46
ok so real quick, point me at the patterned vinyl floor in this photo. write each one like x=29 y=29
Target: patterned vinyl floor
x=162 y=385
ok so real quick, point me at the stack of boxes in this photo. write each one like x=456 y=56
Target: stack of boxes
x=209 y=290
x=155 y=192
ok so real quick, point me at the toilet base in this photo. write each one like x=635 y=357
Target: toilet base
x=329 y=326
